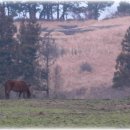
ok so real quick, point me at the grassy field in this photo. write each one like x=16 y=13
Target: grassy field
x=65 y=113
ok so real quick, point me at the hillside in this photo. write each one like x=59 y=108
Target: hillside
x=96 y=44
x=88 y=52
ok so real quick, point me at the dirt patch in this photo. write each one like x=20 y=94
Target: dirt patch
x=41 y=113
x=68 y=27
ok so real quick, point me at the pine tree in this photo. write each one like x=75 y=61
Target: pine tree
x=7 y=45
x=7 y=28
x=122 y=75
x=28 y=38
x=124 y=8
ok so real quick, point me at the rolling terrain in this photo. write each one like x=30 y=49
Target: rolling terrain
x=88 y=62
x=87 y=57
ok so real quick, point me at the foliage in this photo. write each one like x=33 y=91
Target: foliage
x=7 y=28
x=61 y=10
x=122 y=74
x=28 y=38
x=94 y=8
x=17 y=56
x=124 y=7
x=7 y=46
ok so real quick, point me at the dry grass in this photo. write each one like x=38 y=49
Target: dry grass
x=99 y=48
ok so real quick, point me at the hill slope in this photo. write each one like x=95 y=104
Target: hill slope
x=89 y=58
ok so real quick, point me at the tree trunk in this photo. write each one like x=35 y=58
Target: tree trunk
x=32 y=11
x=47 y=67
x=58 y=10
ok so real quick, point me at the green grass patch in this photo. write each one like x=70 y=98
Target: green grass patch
x=65 y=113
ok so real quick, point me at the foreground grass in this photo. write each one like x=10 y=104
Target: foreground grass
x=65 y=113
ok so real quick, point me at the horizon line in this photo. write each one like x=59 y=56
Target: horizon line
x=58 y=1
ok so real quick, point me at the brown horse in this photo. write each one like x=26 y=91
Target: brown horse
x=17 y=86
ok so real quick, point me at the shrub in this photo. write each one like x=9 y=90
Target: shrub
x=85 y=67
x=122 y=75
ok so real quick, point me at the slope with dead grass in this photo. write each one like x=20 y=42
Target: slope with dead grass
x=98 y=45
x=92 y=43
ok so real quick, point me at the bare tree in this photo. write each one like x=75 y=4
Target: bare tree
x=57 y=79
x=46 y=57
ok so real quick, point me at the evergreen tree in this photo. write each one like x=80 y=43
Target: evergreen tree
x=7 y=45
x=28 y=38
x=94 y=7
x=7 y=28
x=122 y=74
x=124 y=8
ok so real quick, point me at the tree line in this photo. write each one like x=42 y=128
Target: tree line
x=59 y=10
x=24 y=54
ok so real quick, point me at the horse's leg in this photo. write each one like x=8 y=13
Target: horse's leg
x=7 y=94
x=20 y=94
x=28 y=93
x=24 y=95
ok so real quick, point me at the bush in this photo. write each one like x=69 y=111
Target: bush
x=85 y=67
x=68 y=32
x=122 y=75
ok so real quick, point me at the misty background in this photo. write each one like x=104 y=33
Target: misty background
x=66 y=10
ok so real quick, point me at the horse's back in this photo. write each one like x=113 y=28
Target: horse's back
x=16 y=85
x=9 y=84
x=21 y=84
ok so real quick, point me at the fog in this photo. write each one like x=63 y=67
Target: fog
x=108 y=12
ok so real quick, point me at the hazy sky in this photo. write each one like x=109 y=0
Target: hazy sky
x=108 y=12
x=57 y=0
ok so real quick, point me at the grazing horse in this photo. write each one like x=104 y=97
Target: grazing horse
x=17 y=86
